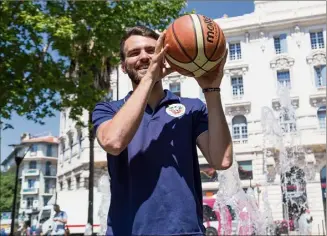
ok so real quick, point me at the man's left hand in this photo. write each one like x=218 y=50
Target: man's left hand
x=213 y=79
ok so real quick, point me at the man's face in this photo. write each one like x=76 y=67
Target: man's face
x=138 y=55
x=56 y=208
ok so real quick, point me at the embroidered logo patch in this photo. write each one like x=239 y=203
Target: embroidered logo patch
x=175 y=110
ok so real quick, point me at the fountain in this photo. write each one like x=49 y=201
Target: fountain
x=104 y=189
x=282 y=140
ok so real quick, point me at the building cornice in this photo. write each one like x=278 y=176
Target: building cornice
x=276 y=20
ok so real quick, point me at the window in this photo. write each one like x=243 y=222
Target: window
x=46 y=200
x=283 y=78
x=48 y=167
x=208 y=174
x=175 y=88
x=32 y=165
x=69 y=184
x=235 y=51
x=245 y=169
x=49 y=150
x=237 y=86
x=29 y=201
x=321 y=114
x=79 y=138
x=280 y=44
x=31 y=183
x=70 y=146
x=47 y=186
x=320 y=76
x=287 y=121
x=34 y=148
x=78 y=181
x=317 y=40
x=240 y=129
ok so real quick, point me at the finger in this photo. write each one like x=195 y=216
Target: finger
x=160 y=42
x=162 y=53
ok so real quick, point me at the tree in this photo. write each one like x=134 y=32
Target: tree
x=65 y=52
x=7 y=186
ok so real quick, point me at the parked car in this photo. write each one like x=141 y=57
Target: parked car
x=212 y=219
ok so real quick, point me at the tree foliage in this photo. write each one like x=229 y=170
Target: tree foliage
x=56 y=54
x=7 y=187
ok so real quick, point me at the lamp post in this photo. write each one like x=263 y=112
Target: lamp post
x=20 y=151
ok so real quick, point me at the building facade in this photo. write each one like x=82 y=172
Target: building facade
x=37 y=173
x=280 y=44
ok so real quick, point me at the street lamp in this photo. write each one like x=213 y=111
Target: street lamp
x=20 y=151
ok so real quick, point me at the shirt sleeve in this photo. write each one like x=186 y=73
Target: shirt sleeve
x=201 y=118
x=102 y=112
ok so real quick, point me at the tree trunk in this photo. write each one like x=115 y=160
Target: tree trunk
x=91 y=172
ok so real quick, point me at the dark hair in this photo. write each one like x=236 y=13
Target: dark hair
x=137 y=30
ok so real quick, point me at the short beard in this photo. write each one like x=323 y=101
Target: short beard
x=132 y=74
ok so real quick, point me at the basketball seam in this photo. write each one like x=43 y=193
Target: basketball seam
x=181 y=47
x=200 y=67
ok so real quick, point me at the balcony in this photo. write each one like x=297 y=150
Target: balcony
x=31 y=172
x=276 y=102
x=30 y=191
x=318 y=97
x=315 y=139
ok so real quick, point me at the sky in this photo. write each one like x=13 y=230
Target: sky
x=212 y=9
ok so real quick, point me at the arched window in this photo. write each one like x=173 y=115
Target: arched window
x=321 y=114
x=240 y=128
x=32 y=165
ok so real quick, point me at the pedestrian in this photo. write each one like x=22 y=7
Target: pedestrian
x=151 y=138
x=59 y=221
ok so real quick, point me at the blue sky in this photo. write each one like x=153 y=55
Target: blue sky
x=213 y=9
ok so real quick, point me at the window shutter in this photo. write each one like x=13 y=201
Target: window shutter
x=323 y=75
x=317 y=76
x=283 y=43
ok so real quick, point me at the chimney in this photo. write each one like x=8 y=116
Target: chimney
x=25 y=136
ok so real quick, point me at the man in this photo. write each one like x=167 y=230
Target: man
x=59 y=221
x=151 y=137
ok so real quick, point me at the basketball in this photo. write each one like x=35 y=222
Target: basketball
x=196 y=45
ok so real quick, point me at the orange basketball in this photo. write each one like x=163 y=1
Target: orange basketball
x=196 y=45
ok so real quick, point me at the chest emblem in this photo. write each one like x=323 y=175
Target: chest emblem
x=175 y=110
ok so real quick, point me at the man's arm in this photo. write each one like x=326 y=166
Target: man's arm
x=216 y=143
x=114 y=135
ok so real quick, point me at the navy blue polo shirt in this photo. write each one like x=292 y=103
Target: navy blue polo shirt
x=155 y=182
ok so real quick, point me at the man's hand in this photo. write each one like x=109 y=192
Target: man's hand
x=157 y=68
x=213 y=79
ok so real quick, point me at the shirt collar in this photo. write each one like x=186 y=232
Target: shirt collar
x=169 y=97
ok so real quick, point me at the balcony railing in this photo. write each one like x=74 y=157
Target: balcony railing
x=31 y=172
x=30 y=190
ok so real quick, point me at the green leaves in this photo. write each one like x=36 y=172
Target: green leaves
x=7 y=187
x=50 y=50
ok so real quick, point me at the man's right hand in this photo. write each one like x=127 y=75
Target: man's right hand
x=157 y=69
